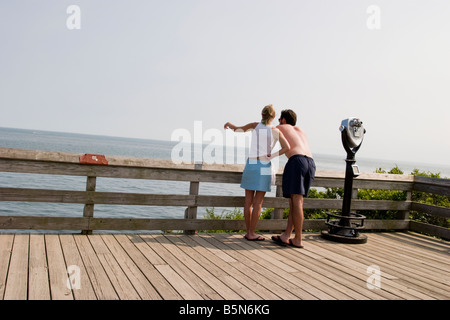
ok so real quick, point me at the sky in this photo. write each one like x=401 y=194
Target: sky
x=147 y=68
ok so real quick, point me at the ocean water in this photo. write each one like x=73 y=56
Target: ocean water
x=141 y=148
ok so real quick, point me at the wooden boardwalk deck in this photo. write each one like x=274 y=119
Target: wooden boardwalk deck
x=220 y=266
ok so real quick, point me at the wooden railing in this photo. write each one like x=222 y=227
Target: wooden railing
x=56 y=163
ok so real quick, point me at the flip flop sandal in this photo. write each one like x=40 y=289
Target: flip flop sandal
x=277 y=240
x=260 y=238
x=293 y=245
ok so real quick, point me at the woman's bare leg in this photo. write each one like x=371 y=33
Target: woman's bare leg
x=248 y=208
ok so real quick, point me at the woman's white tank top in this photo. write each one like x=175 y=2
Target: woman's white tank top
x=262 y=141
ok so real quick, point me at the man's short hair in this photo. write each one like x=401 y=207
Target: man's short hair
x=290 y=116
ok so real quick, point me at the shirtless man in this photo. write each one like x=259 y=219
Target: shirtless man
x=297 y=177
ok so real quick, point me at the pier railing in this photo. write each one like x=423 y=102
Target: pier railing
x=95 y=166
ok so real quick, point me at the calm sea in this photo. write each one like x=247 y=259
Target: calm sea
x=141 y=148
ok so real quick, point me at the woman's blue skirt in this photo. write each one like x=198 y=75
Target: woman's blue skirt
x=257 y=175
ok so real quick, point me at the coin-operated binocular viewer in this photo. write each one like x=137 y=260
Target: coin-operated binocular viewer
x=344 y=227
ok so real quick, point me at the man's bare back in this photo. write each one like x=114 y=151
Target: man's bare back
x=297 y=140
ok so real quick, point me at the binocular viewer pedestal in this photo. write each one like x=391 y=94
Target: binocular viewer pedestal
x=345 y=226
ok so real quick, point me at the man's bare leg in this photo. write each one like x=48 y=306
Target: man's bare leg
x=290 y=225
x=296 y=210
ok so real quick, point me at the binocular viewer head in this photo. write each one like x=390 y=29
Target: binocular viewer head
x=353 y=132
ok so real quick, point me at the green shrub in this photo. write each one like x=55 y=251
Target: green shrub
x=431 y=199
x=375 y=194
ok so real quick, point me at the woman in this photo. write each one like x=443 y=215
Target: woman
x=257 y=175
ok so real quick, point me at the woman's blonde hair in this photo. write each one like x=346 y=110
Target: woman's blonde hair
x=267 y=113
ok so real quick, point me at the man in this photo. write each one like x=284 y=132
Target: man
x=297 y=177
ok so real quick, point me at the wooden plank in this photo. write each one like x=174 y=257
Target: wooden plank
x=152 y=173
x=392 y=281
x=244 y=282
x=45 y=223
x=139 y=282
x=342 y=280
x=433 y=210
x=436 y=262
x=226 y=224
x=38 y=282
x=210 y=279
x=352 y=273
x=422 y=241
x=81 y=285
x=42 y=195
x=176 y=266
x=23 y=154
x=256 y=267
x=382 y=184
x=306 y=273
x=244 y=285
x=411 y=269
x=186 y=266
x=430 y=229
x=271 y=260
x=218 y=266
x=184 y=288
x=322 y=286
x=89 y=197
x=318 y=288
x=57 y=269
x=167 y=224
x=412 y=281
x=216 y=251
x=64 y=157
x=375 y=224
x=147 y=250
x=44 y=167
x=6 y=243
x=60 y=223
x=103 y=288
x=17 y=281
x=143 y=256
x=122 y=285
x=432 y=185
x=176 y=173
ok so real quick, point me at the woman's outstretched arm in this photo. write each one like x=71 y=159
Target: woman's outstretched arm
x=248 y=126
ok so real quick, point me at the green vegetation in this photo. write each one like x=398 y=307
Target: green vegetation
x=226 y=214
x=431 y=199
x=364 y=194
x=417 y=196
x=236 y=214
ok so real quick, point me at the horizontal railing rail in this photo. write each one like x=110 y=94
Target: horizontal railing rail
x=71 y=164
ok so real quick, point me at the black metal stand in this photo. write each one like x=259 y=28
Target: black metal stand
x=347 y=225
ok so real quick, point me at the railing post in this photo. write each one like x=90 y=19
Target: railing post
x=277 y=213
x=191 y=212
x=404 y=214
x=88 y=211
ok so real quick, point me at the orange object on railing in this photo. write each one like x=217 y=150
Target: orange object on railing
x=93 y=159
